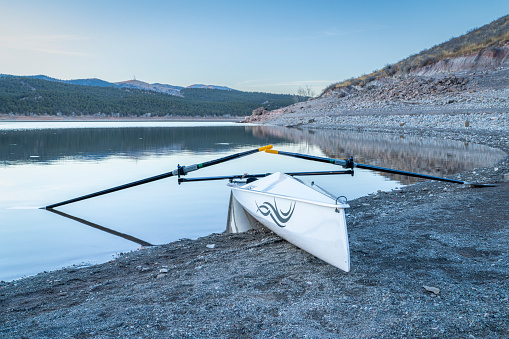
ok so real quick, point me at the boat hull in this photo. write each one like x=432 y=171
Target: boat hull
x=318 y=227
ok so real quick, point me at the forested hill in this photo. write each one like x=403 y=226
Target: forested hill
x=30 y=96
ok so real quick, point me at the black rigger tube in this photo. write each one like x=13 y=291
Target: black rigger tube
x=248 y=176
x=178 y=172
x=350 y=164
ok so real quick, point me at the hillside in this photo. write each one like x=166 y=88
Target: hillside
x=462 y=84
x=34 y=96
x=486 y=47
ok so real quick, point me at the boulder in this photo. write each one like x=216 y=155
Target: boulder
x=259 y=111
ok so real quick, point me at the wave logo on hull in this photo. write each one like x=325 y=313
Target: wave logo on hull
x=279 y=217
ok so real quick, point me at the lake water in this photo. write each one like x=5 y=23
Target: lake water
x=47 y=162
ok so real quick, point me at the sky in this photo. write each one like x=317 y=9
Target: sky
x=256 y=46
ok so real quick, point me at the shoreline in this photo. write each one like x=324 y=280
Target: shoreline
x=447 y=236
x=9 y=118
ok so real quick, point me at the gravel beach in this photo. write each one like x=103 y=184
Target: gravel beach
x=429 y=260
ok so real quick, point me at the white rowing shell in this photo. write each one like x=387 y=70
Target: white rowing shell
x=296 y=211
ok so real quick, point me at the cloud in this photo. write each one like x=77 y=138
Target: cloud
x=246 y=82
x=49 y=44
x=332 y=32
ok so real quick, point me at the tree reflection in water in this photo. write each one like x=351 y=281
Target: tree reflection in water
x=438 y=157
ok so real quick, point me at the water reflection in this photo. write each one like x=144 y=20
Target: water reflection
x=46 y=145
x=438 y=157
x=101 y=228
x=424 y=155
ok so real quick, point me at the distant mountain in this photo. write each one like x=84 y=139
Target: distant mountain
x=222 y=88
x=134 y=84
x=162 y=88
x=90 y=82
x=43 y=77
x=83 y=82
x=42 y=95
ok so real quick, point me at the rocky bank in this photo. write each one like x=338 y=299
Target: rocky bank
x=451 y=100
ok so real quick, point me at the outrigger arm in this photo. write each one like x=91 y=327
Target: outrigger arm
x=254 y=176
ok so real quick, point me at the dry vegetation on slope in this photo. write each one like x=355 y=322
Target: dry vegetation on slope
x=488 y=37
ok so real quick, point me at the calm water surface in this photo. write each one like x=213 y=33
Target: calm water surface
x=44 y=163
